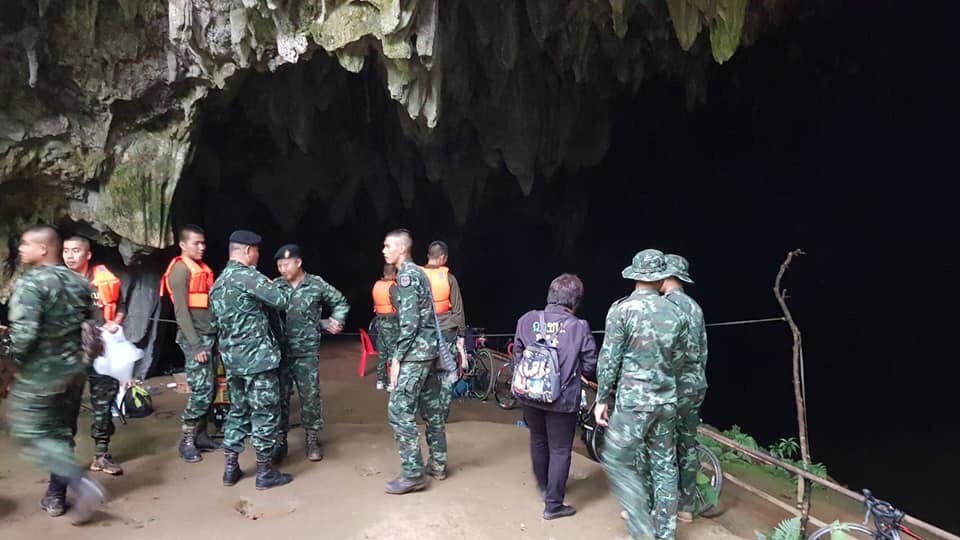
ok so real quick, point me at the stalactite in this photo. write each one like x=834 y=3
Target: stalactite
x=528 y=82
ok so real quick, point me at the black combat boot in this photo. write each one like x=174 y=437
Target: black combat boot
x=268 y=477
x=313 y=447
x=54 y=503
x=88 y=497
x=231 y=469
x=280 y=448
x=202 y=440
x=402 y=484
x=436 y=471
x=188 y=447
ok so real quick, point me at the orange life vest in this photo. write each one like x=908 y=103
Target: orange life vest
x=440 y=287
x=198 y=289
x=107 y=288
x=381 y=298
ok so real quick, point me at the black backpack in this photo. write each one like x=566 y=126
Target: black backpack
x=137 y=403
x=536 y=375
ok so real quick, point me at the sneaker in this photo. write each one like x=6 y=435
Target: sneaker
x=104 y=463
x=685 y=517
x=380 y=385
x=563 y=511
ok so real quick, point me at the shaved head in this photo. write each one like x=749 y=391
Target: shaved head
x=396 y=246
x=403 y=236
x=40 y=244
x=82 y=240
x=44 y=234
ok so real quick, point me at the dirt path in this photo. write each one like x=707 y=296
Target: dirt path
x=489 y=494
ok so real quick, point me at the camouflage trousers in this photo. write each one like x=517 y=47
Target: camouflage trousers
x=688 y=419
x=305 y=372
x=43 y=420
x=630 y=434
x=103 y=392
x=254 y=412
x=202 y=379
x=388 y=330
x=419 y=390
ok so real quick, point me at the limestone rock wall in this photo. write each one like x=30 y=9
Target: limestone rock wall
x=99 y=99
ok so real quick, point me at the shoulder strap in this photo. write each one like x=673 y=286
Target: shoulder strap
x=543 y=329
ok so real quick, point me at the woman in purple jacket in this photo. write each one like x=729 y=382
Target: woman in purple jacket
x=553 y=425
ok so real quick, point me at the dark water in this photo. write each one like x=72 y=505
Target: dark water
x=836 y=137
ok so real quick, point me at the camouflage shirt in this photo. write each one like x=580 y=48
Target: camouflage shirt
x=418 y=333
x=693 y=373
x=646 y=336
x=47 y=309
x=239 y=300
x=301 y=320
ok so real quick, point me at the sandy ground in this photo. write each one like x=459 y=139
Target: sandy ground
x=489 y=494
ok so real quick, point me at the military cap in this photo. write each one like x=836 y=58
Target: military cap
x=679 y=267
x=288 y=251
x=648 y=265
x=248 y=238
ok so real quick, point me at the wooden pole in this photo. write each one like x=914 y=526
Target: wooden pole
x=803 y=491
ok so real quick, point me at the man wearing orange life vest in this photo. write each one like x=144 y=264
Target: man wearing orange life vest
x=187 y=282
x=103 y=388
x=385 y=322
x=448 y=305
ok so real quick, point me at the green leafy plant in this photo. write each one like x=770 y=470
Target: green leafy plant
x=785 y=448
x=788 y=529
x=708 y=493
x=838 y=531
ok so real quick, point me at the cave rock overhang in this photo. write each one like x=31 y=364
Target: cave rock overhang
x=520 y=84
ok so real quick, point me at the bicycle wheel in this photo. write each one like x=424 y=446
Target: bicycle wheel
x=846 y=530
x=482 y=368
x=710 y=468
x=501 y=390
x=594 y=440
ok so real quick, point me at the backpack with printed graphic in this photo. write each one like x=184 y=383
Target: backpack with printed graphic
x=536 y=375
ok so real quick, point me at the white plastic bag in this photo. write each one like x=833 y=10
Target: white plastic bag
x=119 y=356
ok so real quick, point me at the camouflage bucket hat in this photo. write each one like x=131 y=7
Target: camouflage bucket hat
x=648 y=265
x=678 y=267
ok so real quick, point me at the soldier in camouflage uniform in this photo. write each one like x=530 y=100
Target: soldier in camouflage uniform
x=691 y=383
x=453 y=327
x=646 y=336
x=300 y=339
x=238 y=302
x=385 y=322
x=187 y=282
x=103 y=388
x=414 y=382
x=47 y=309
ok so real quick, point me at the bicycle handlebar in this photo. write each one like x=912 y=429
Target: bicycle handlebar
x=883 y=512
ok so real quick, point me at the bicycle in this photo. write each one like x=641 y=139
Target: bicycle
x=887 y=523
x=477 y=365
x=503 y=383
x=709 y=477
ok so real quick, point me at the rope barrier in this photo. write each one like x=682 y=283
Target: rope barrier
x=727 y=323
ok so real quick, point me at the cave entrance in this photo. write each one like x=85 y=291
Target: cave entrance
x=314 y=155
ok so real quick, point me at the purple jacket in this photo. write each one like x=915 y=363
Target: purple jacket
x=576 y=352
